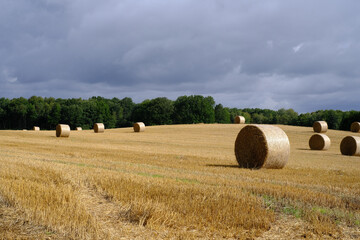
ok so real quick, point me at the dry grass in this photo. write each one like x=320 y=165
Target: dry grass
x=182 y=183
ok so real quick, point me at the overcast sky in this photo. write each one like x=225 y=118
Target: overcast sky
x=300 y=54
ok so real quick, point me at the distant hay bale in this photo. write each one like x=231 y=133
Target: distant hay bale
x=139 y=127
x=99 y=127
x=262 y=146
x=350 y=145
x=239 y=120
x=78 y=128
x=355 y=127
x=319 y=141
x=62 y=130
x=35 y=128
x=24 y=129
x=320 y=126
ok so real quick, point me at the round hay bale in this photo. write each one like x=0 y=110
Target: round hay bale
x=350 y=145
x=239 y=120
x=78 y=128
x=262 y=146
x=320 y=126
x=319 y=141
x=35 y=128
x=62 y=130
x=355 y=127
x=99 y=127
x=139 y=127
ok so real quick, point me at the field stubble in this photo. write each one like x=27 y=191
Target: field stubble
x=178 y=182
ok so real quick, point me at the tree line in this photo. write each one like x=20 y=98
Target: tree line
x=22 y=113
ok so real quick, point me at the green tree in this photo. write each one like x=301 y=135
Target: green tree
x=160 y=111
x=71 y=115
x=194 y=109
x=18 y=108
x=288 y=116
x=54 y=115
x=258 y=118
x=222 y=114
x=157 y=111
x=4 y=113
x=348 y=118
x=36 y=112
x=333 y=118
x=125 y=117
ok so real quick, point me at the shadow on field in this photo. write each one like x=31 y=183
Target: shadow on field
x=304 y=149
x=221 y=165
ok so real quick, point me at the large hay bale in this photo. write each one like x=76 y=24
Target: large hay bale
x=355 y=127
x=319 y=141
x=320 y=126
x=239 y=120
x=99 y=127
x=62 y=130
x=350 y=145
x=35 y=128
x=139 y=127
x=262 y=146
x=78 y=128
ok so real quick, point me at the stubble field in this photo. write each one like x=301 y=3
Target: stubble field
x=172 y=182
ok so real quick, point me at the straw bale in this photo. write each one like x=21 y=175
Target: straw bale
x=78 y=128
x=320 y=126
x=355 y=127
x=35 y=128
x=139 y=127
x=99 y=127
x=239 y=120
x=350 y=145
x=319 y=141
x=62 y=130
x=262 y=146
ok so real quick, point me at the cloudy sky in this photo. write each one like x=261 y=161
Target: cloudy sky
x=299 y=54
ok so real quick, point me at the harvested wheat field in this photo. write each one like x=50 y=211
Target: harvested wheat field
x=173 y=182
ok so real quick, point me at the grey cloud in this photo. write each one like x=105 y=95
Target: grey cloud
x=273 y=54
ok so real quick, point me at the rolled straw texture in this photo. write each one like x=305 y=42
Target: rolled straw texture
x=78 y=128
x=262 y=146
x=239 y=120
x=62 y=130
x=99 y=127
x=139 y=127
x=350 y=145
x=35 y=128
x=355 y=127
x=319 y=141
x=320 y=126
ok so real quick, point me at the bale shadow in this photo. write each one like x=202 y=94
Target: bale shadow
x=222 y=165
x=303 y=149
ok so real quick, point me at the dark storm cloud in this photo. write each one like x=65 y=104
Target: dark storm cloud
x=268 y=54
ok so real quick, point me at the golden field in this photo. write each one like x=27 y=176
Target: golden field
x=172 y=182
